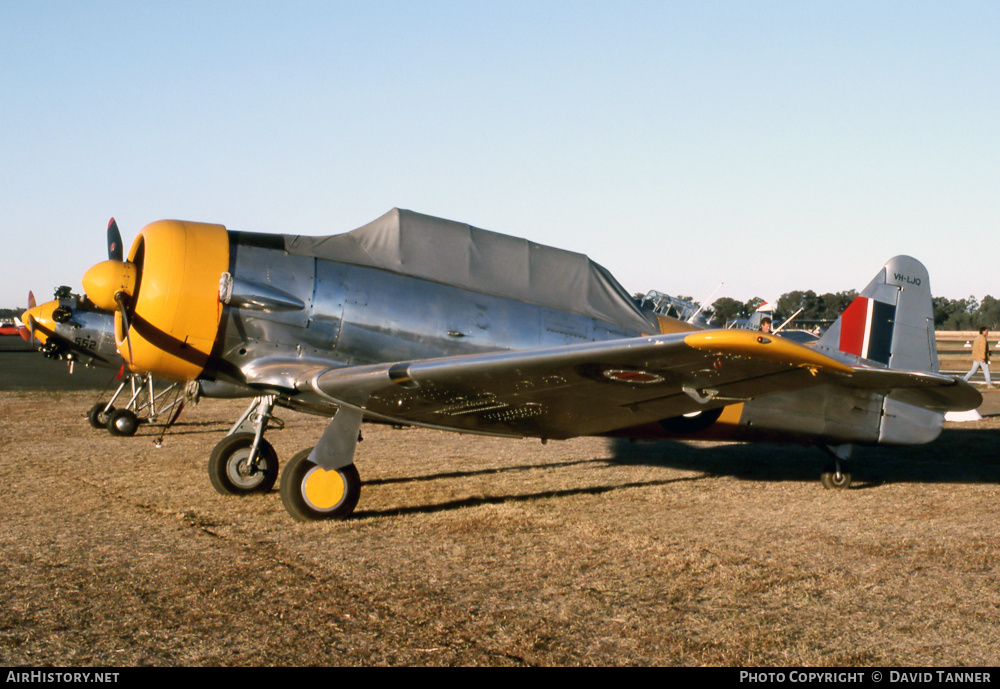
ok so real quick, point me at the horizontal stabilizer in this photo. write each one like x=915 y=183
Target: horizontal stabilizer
x=932 y=391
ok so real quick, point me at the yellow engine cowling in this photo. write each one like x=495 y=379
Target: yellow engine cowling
x=175 y=311
x=39 y=321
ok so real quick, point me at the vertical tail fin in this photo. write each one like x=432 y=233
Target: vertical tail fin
x=892 y=321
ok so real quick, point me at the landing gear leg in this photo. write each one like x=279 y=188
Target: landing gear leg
x=140 y=408
x=146 y=409
x=243 y=462
x=322 y=482
x=836 y=474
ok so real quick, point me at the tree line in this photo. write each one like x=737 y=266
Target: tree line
x=823 y=309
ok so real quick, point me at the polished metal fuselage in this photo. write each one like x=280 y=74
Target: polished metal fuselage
x=354 y=315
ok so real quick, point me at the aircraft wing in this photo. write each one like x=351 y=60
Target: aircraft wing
x=593 y=388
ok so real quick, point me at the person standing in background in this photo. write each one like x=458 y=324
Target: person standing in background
x=981 y=356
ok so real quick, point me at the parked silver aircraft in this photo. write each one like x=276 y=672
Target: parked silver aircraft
x=415 y=320
x=70 y=329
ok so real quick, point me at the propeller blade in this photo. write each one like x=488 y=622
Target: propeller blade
x=120 y=298
x=115 y=252
x=26 y=328
x=22 y=329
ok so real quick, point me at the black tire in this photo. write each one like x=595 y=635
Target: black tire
x=96 y=416
x=302 y=482
x=122 y=422
x=228 y=470
x=833 y=482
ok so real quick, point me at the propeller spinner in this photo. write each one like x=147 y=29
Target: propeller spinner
x=111 y=284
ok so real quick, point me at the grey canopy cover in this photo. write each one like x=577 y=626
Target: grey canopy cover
x=458 y=254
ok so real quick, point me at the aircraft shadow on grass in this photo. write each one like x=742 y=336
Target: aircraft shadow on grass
x=959 y=456
x=500 y=499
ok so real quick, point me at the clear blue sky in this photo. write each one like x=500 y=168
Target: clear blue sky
x=771 y=145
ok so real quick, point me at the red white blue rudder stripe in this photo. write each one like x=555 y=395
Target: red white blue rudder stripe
x=866 y=329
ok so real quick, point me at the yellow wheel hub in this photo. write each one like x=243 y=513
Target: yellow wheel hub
x=323 y=489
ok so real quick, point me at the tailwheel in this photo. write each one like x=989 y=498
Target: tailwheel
x=834 y=478
x=836 y=475
x=97 y=417
x=233 y=473
x=122 y=422
x=311 y=493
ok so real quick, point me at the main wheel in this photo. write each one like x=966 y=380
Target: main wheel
x=97 y=416
x=311 y=493
x=122 y=422
x=231 y=473
x=832 y=480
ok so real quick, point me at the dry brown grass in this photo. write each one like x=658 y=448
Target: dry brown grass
x=480 y=551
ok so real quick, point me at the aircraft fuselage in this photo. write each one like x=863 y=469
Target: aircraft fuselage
x=354 y=315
